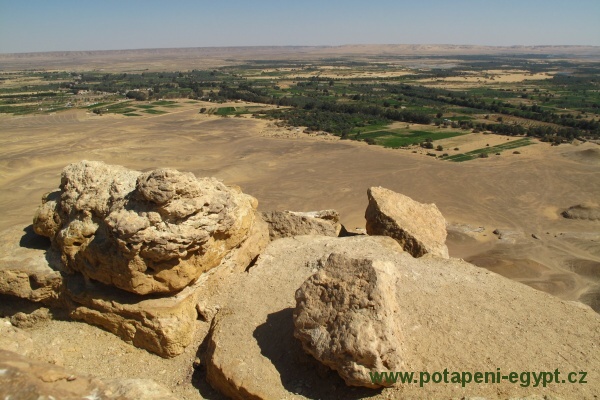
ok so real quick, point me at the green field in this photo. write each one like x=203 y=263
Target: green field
x=393 y=138
x=153 y=111
x=224 y=111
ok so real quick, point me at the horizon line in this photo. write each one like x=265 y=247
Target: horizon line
x=307 y=46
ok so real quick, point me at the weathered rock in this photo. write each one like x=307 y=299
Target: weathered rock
x=161 y=325
x=25 y=320
x=291 y=223
x=23 y=378
x=29 y=271
x=419 y=228
x=164 y=325
x=257 y=311
x=152 y=232
x=585 y=211
x=346 y=316
x=450 y=313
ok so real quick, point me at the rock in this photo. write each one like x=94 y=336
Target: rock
x=257 y=311
x=23 y=378
x=346 y=316
x=449 y=314
x=163 y=325
x=509 y=236
x=29 y=271
x=586 y=211
x=466 y=229
x=14 y=339
x=23 y=320
x=143 y=389
x=290 y=223
x=152 y=232
x=419 y=228
x=84 y=222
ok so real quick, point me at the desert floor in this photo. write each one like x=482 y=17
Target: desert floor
x=520 y=194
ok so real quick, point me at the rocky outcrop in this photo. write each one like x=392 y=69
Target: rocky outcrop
x=419 y=228
x=346 y=317
x=290 y=223
x=164 y=325
x=449 y=313
x=585 y=211
x=23 y=378
x=153 y=232
x=146 y=254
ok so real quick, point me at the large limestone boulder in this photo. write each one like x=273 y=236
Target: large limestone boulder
x=346 y=316
x=23 y=378
x=164 y=325
x=450 y=316
x=419 y=228
x=292 y=223
x=152 y=232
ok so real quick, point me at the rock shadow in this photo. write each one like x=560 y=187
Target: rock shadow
x=31 y=240
x=301 y=373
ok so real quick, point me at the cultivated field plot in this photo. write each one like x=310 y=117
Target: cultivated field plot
x=403 y=138
x=480 y=153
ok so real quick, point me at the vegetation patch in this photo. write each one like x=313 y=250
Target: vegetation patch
x=484 y=152
x=395 y=139
x=153 y=111
x=164 y=103
x=224 y=111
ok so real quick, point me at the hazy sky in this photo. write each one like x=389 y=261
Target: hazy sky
x=50 y=25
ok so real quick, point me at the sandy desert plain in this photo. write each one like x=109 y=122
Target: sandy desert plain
x=520 y=195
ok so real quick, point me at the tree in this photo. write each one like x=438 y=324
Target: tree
x=137 y=95
x=439 y=147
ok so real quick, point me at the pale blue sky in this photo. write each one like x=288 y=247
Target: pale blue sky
x=36 y=25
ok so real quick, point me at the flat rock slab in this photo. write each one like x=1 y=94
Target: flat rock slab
x=252 y=352
x=452 y=314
